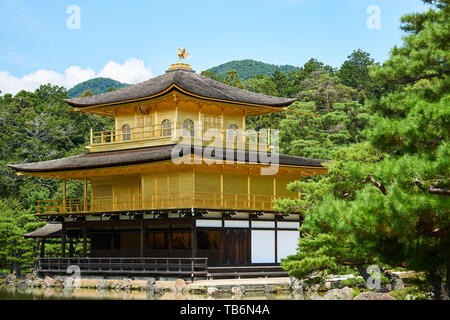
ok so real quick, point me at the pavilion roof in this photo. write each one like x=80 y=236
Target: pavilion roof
x=186 y=81
x=50 y=230
x=150 y=154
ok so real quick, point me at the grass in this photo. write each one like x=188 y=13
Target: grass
x=418 y=289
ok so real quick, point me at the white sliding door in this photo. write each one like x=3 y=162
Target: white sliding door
x=286 y=243
x=263 y=246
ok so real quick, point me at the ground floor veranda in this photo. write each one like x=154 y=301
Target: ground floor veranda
x=179 y=240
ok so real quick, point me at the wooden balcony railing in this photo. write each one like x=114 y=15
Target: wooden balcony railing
x=119 y=266
x=133 y=134
x=156 y=202
x=227 y=138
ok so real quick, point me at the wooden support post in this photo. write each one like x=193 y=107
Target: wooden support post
x=170 y=240
x=84 y=240
x=36 y=249
x=248 y=190
x=249 y=241
x=85 y=206
x=63 y=243
x=71 y=251
x=43 y=248
x=64 y=194
x=142 y=239
x=276 y=241
x=221 y=190
x=194 y=240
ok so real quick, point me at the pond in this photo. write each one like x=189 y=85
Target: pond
x=13 y=293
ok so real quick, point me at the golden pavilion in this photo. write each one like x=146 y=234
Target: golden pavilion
x=158 y=200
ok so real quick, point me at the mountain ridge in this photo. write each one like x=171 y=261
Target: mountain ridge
x=249 y=68
x=97 y=86
x=246 y=68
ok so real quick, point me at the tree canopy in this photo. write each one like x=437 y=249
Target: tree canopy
x=386 y=199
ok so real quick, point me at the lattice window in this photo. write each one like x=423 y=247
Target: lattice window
x=144 y=126
x=210 y=122
x=166 y=128
x=144 y=121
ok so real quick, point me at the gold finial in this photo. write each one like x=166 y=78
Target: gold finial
x=183 y=54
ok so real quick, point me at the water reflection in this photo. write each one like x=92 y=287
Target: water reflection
x=13 y=293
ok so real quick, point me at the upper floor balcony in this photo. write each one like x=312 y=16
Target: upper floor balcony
x=170 y=132
x=147 y=202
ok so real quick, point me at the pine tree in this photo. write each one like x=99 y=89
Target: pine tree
x=386 y=201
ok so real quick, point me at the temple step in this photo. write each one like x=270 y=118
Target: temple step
x=246 y=272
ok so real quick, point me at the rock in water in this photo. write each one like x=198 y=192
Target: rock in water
x=213 y=291
x=239 y=291
x=103 y=285
x=126 y=284
x=31 y=276
x=269 y=288
x=37 y=283
x=151 y=284
x=373 y=296
x=180 y=285
x=24 y=284
x=49 y=282
x=339 y=294
x=296 y=285
x=397 y=283
x=10 y=279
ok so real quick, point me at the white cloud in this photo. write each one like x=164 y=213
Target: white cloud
x=131 y=71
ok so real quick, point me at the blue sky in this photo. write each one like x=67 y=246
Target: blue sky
x=136 y=39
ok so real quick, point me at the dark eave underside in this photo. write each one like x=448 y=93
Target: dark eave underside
x=188 y=81
x=150 y=154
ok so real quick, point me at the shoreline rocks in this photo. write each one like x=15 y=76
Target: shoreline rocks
x=329 y=290
x=370 y=295
x=339 y=294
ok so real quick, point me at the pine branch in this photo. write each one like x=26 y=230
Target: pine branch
x=433 y=190
x=426 y=76
x=376 y=184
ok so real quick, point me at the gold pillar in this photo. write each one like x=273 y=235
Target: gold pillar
x=85 y=206
x=221 y=190
x=64 y=195
x=248 y=190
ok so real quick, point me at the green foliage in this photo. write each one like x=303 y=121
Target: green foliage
x=355 y=293
x=232 y=79
x=16 y=253
x=87 y=93
x=250 y=68
x=354 y=73
x=352 y=282
x=35 y=126
x=97 y=86
x=385 y=201
x=425 y=51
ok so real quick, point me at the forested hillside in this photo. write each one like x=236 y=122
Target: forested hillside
x=97 y=86
x=250 y=68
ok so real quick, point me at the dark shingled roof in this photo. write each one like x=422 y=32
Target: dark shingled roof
x=50 y=230
x=187 y=80
x=146 y=155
